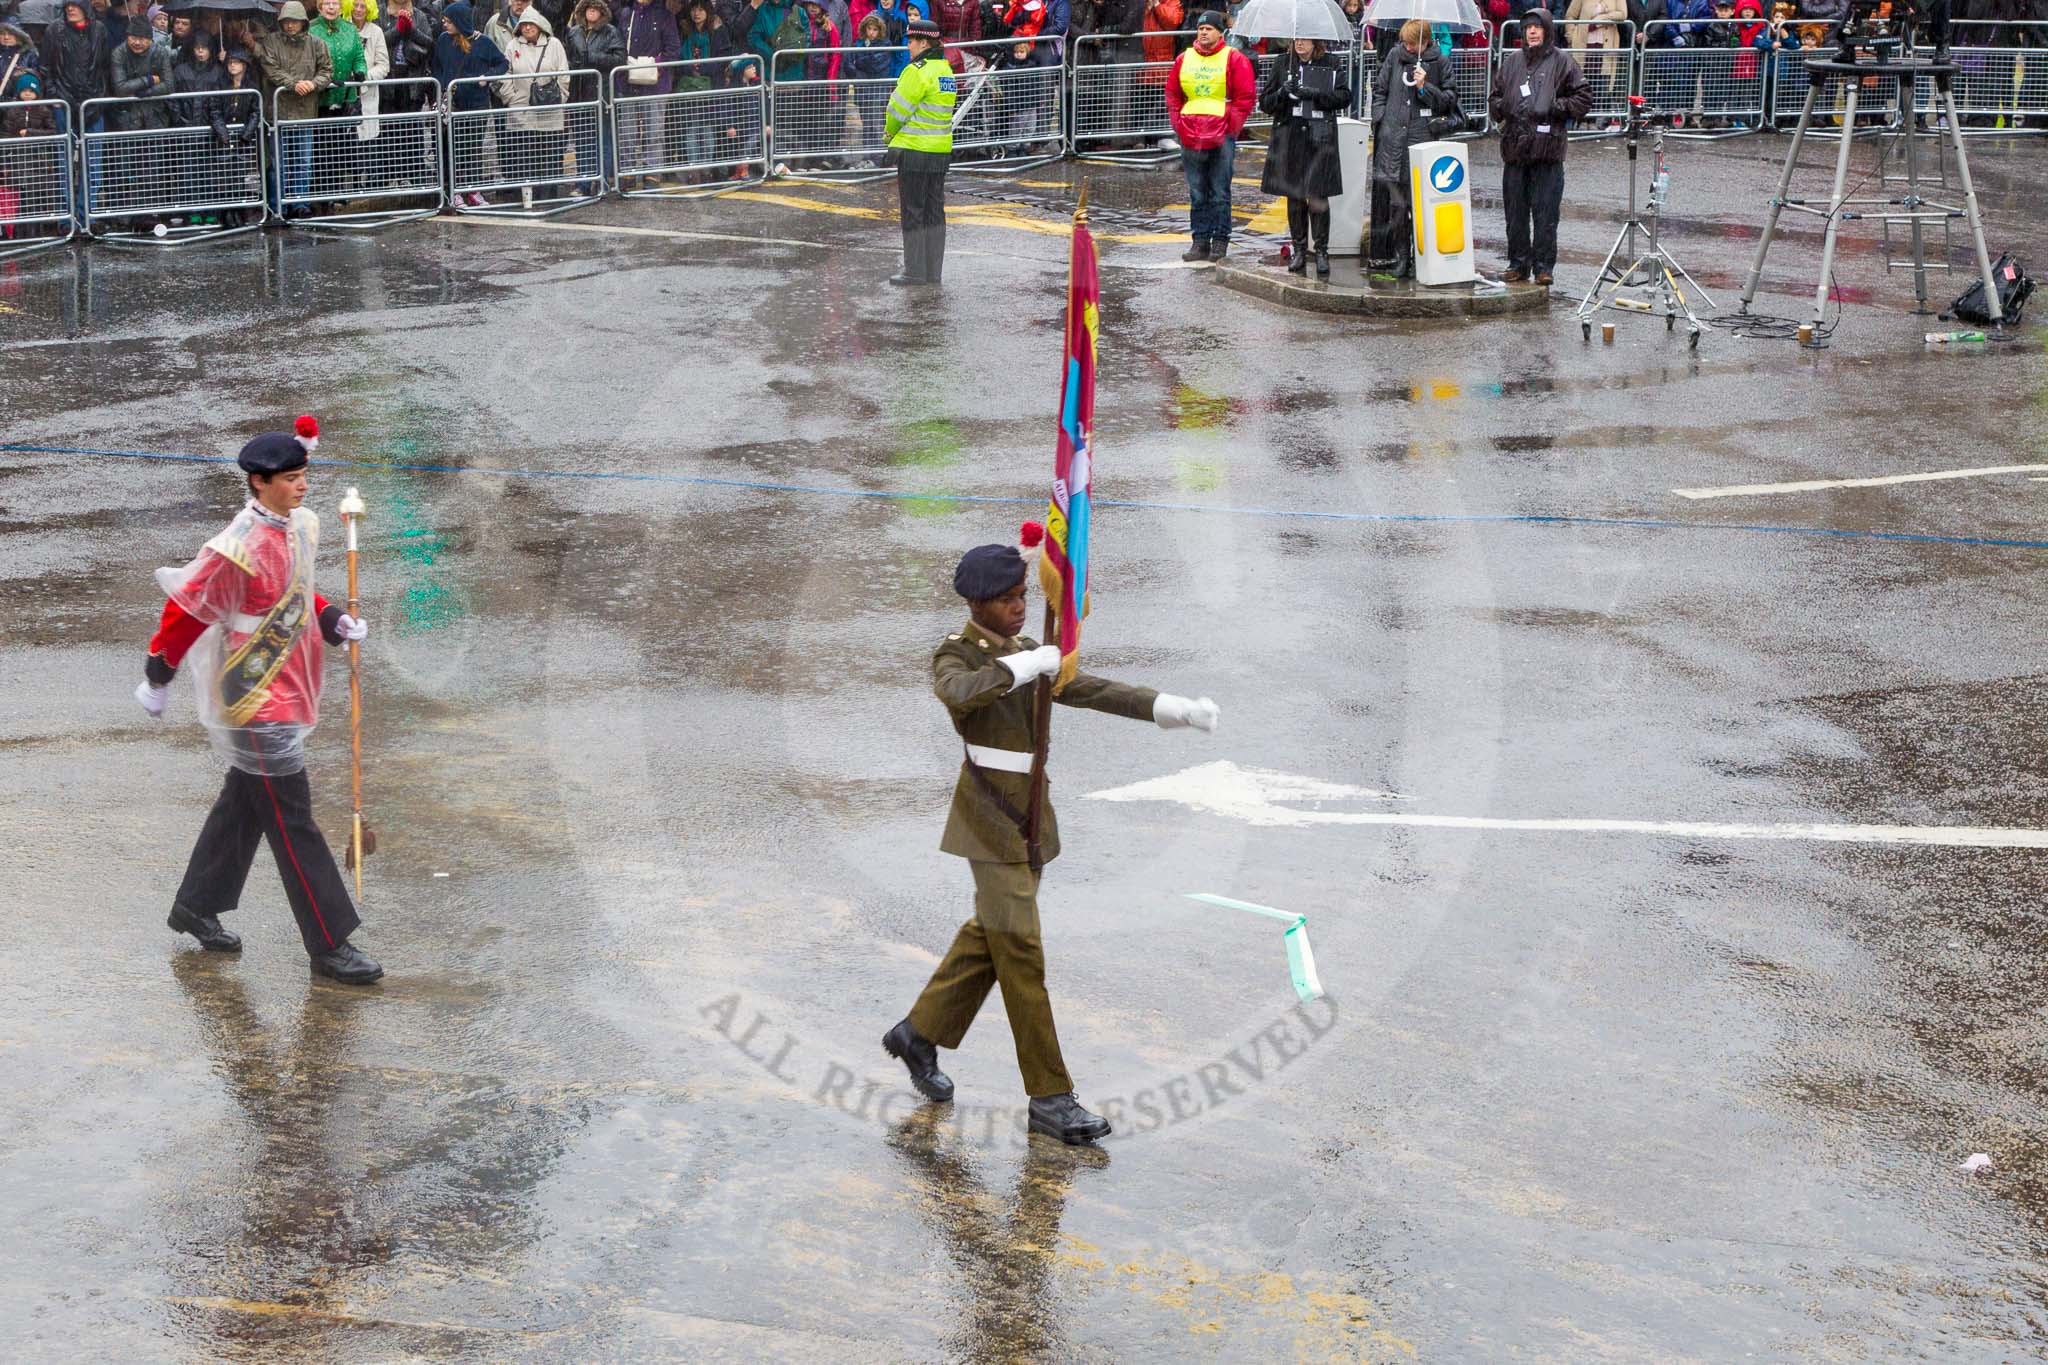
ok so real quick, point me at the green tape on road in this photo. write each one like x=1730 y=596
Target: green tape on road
x=1301 y=960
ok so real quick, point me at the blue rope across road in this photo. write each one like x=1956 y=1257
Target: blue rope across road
x=819 y=490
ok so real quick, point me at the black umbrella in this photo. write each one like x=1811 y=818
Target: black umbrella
x=224 y=6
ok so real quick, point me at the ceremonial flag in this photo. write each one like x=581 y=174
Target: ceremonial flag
x=1063 y=567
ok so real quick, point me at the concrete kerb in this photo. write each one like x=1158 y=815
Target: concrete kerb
x=1349 y=292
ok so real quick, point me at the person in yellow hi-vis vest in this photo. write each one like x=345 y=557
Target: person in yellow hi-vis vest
x=1209 y=95
x=920 y=132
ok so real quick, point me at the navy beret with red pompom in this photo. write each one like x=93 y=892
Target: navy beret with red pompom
x=280 y=452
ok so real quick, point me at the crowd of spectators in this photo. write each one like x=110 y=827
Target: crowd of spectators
x=56 y=55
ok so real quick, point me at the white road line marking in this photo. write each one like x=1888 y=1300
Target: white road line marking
x=1253 y=795
x=1744 y=490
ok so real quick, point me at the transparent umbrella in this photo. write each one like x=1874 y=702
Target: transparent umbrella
x=1459 y=16
x=1322 y=19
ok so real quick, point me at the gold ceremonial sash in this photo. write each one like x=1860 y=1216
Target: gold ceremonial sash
x=246 y=674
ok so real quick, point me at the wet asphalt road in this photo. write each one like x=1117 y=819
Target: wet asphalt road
x=659 y=782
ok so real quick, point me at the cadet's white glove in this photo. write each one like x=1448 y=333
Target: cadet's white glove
x=1174 y=713
x=152 y=698
x=1032 y=664
x=348 y=628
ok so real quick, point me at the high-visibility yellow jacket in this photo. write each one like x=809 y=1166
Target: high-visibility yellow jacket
x=921 y=110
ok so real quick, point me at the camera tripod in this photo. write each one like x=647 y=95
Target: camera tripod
x=1652 y=269
x=1892 y=61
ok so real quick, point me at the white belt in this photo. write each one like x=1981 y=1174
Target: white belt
x=1004 y=760
x=242 y=623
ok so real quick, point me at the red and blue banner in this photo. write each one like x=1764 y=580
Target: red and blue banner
x=1063 y=567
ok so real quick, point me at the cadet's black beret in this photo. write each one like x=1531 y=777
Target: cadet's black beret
x=988 y=571
x=280 y=452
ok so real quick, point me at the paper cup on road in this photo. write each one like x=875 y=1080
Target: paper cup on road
x=1607 y=334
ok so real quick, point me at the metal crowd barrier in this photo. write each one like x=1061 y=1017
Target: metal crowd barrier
x=1118 y=109
x=522 y=147
x=1724 y=84
x=35 y=190
x=1610 y=71
x=1471 y=77
x=1015 y=114
x=387 y=155
x=174 y=184
x=1998 y=83
x=1876 y=100
x=715 y=136
x=830 y=128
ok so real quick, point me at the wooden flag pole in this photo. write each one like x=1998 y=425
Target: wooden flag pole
x=1041 y=733
x=360 y=840
x=1041 y=724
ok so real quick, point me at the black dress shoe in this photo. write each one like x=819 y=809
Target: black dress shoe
x=1297 y=261
x=347 y=964
x=905 y=281
x=1062 y=1116
x=1322 y=265
x=922 y=1059
x=205 y=928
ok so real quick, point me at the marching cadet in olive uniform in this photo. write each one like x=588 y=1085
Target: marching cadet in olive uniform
x=983 y=674
x=920 y=132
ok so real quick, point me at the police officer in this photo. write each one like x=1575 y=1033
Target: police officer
x=984 y=674
x=920 y=131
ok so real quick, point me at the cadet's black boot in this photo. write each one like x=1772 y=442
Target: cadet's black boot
x=1297 y=230
x=205 y=928
x=347 y=964
x=1319 y=225
x=1062 y=1116
x=922 y=1059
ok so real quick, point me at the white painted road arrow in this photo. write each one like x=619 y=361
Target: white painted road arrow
x=1256 y=796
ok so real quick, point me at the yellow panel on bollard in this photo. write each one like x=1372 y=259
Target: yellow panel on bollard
x=1450 y=229
x=1440 y=176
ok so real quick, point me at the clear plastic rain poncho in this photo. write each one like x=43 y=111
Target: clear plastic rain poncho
x=257 y=667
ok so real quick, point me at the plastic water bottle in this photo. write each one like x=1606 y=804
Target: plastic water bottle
x=1944 y=338
x=1660 y=189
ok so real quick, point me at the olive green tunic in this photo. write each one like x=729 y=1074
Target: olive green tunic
x=1001 y=944
x=989 y=709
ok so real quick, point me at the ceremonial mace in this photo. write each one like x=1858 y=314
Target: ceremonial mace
x=362 y=840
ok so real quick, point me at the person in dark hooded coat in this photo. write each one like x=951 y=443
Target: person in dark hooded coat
x=74 y=57
x=1413 y=86
x=196 y=73
x=1537 y=93
x=1305 y=92
x=461 y=51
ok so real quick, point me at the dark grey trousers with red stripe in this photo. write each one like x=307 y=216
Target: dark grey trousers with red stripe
x=280 y=809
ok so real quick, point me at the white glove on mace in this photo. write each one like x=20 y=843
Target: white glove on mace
x=152 y=698
x=1032 y=664
x=1174 y=713
x=349 y=628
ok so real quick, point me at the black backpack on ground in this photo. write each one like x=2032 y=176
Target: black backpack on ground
x=2013 y=290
